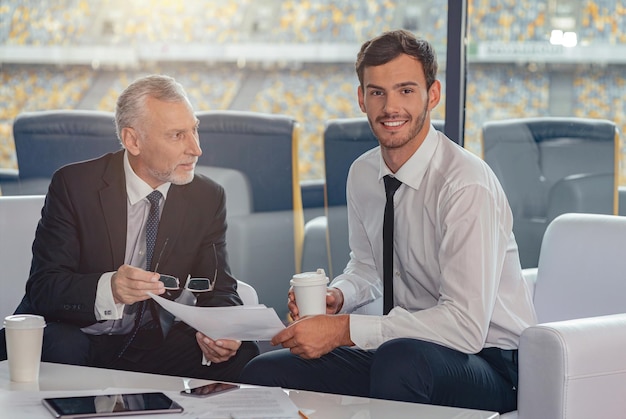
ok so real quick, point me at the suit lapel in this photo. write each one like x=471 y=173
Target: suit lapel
x=113 y=201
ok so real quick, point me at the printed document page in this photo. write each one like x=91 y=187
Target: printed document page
x=244 y=322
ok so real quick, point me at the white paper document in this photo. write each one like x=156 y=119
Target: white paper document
x=249 y=403
x=245 y=322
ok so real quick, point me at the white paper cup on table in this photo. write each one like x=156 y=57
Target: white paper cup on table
x=310 y=291
x=24 y=338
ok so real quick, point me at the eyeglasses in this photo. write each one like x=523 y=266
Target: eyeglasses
x=192 y=284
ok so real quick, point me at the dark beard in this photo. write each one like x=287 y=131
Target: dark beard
x=412 y=133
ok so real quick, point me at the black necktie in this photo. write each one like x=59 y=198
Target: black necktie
x=152 y=227
x=391 y=186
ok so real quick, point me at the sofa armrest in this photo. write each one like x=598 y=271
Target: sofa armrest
x=314 y=247
x=582 y=193
x=261 y=253
x=236 y=186
x=573 y=369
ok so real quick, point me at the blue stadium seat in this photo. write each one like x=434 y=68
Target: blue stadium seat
x=326 y=237
x=47 y=140
x=264 y=245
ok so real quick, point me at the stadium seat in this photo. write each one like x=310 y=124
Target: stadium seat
x=326 y=237
x=261 y=226
x=549 y=166
x=47 y=140
x=264 y=245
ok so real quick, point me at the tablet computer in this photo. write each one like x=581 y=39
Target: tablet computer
x=76 y=407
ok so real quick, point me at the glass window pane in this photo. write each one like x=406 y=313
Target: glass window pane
x=557 y=59
x=291 y=57
x=545 y=58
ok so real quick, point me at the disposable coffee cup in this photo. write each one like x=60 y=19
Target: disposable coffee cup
x=24 y=338
x=310 y=291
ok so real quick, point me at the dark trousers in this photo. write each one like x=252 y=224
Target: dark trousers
x=178 y=355
x=401 y=369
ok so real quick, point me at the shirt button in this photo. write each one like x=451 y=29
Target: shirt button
x=397 y=273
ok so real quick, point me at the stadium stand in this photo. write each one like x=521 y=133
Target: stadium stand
x=312 y=93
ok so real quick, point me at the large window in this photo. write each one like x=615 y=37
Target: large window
x=545 y=58
x=288 y=57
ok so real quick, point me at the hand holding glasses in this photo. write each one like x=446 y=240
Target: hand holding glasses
x=192 y=284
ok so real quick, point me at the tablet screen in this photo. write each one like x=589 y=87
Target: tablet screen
x=111 y=405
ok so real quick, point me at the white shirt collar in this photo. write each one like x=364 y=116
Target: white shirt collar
x=136 y=188
x=412 y=172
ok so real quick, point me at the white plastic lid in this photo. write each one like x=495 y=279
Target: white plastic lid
x=310 y=278
x=24 y=321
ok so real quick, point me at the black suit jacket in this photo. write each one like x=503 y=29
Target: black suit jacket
x=82 y=234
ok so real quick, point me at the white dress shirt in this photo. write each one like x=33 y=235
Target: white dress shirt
x=457 y=275
x=116 y=318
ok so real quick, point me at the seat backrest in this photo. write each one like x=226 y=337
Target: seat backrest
x=582 y=268
x=262 y=146
x=344 y=141
x=550 y=166
x=19 y=216
x=264 y=246
x=530 y=155
x=236 y=186
x=47 y=140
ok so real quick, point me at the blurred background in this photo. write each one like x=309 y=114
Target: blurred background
x=525 y=58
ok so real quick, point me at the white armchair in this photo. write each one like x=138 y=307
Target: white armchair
x=18 y=220
x=572 y=365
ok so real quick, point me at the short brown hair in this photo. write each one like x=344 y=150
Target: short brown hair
x=389 y=45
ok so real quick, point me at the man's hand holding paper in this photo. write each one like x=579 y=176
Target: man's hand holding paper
x=246 y=322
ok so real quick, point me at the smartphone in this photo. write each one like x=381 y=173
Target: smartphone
x=210 y=389
x=111 y=405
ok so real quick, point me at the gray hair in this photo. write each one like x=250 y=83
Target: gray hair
x=130 y=107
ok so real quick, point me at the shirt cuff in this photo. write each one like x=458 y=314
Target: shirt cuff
x=105 y=306
x=366 y=331
x=348 y=290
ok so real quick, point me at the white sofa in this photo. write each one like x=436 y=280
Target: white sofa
x=572 y=365
x=18 y=220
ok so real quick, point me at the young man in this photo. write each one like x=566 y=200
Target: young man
x=111 y=225
x=459 y=299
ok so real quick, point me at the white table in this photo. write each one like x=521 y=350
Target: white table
x=54 y=377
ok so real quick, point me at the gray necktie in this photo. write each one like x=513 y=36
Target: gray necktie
x=152 y=227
